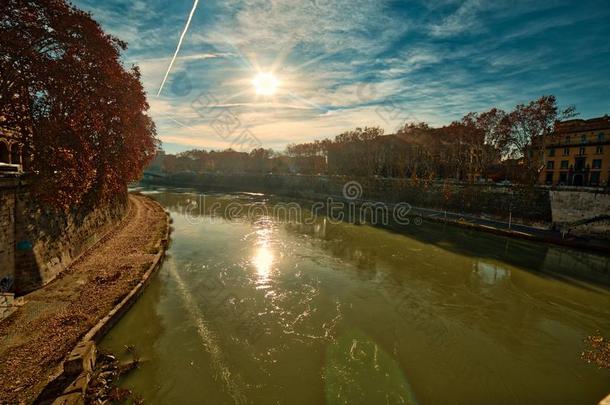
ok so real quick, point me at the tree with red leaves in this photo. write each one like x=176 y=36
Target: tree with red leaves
x=81 y=113
x=522 y=132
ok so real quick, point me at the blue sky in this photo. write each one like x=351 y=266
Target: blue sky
x=347 y=63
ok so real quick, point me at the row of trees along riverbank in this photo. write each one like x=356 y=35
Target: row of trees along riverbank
x=81 y=114
x=495 y=144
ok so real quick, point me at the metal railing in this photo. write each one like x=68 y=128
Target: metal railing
x=8 y=168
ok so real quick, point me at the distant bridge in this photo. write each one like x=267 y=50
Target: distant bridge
x=152 y=175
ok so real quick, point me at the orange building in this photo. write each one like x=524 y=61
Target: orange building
x=578 y=153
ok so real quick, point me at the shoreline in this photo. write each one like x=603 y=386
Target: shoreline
x=41 y=342
x=482 y=223
x=520 y=231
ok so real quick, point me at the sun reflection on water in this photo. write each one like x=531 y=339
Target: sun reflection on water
x=263 y=261
x=264 y=256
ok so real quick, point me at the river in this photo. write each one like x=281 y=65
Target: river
x=260 y=309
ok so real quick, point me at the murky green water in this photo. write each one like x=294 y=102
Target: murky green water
x=262 y=311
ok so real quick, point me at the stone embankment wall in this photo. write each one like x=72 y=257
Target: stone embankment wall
x=569 y=207
x=7 y=234
x=36 y=244
x=523 y=204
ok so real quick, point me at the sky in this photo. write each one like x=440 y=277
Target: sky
x=342 y=64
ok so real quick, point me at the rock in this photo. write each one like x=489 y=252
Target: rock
x=79 y=385
x=81 y=359
x=70 y=399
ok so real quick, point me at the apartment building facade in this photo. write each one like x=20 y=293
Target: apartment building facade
x=578 y=154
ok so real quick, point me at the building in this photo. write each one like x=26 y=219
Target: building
x=11 y=152
x=578 y=153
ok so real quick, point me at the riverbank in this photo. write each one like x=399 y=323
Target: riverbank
x=517 y=212
x=513 y=230
x=36 y=339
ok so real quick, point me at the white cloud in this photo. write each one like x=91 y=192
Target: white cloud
x=339 y=61
x=465 y=18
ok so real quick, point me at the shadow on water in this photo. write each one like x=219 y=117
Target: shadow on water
x=545 y=260
x=140 y=330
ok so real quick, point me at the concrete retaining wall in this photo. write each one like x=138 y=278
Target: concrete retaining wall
x=572 y=206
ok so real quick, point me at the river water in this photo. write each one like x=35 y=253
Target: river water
x=263 y=310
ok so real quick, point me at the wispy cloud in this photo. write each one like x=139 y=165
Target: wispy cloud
x=341 y=62
x=464 y=19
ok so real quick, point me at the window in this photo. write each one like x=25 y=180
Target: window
x=565 y=164
x=563 y=178
x=581 y=151
x=566 y=151
x=567 y=139
x=550 y=165
x=594 y=181
x=600 y=137
x=599 y=150
x=552 y=152
x=597 y=163
x=583 y=138
x=549 y=178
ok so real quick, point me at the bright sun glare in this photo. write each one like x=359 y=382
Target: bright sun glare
x=266 y=84
x=263 y=261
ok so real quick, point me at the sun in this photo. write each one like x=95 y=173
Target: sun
x=266 y=84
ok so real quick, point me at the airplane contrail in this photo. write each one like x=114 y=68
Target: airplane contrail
x=186 y=27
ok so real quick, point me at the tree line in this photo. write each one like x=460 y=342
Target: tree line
x=81 y=114
x=494 y=144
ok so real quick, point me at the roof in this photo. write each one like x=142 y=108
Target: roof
x=580 y=125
